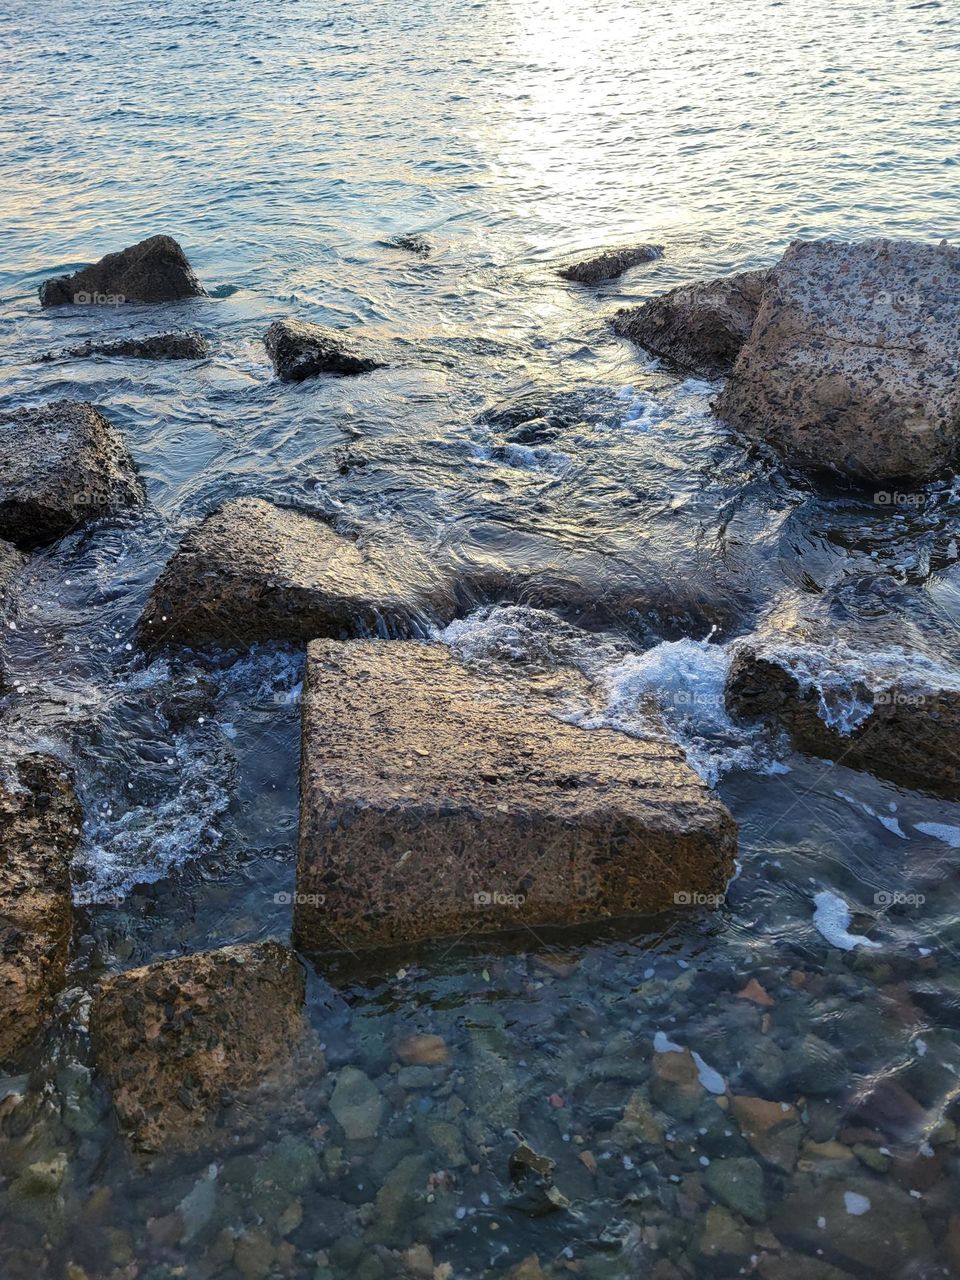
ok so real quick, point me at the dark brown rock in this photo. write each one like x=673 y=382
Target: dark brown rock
x=60 y=465
x=155 y=270
x=159 y=346
x=419 y=245
x=610 y=264
x=300 y=350
x=40 y=822
x=177 y=1039
x=434 y=802
x=852 y=362
x=252 y=571
x=698 y=327
x=911 y=736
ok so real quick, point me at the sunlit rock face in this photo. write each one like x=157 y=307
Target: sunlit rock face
x=40 y=821
x=698 y=327
x=435 y=802
x=300 y=350
x=852 y=363
x=155 y=270
x=60 y=465
x=177 y=1039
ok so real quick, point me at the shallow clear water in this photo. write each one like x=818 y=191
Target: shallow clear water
x=283 y=147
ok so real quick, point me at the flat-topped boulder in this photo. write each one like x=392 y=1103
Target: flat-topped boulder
x=252 y=571
x=903 y=727
x=158 y=346
x=852 y=363
x=302 y=350
x=40 y=821
x=698 y=327
x=434 y=802
x=61 y=464
x=154 y=270
x=179 y=1041
x=610 y=263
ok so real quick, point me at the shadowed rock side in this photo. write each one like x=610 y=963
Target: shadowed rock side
x=433 y=803
x=159 y=346
x=853 y=361
x=911 y=736
x=155 y=270
x=175 y=1040
x=698 y=327
x=610 y=264
x=252 y=571
x=40 y=822
x=11 y=562
x=60 y=465
x=300 y=350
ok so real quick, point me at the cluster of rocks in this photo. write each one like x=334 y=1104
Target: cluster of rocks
x=841 y=356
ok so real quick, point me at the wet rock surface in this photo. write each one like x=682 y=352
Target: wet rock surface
x=252 y=571
x=699 y=327
x=154 y=270
x=40 y=821
x=851 y=363
x=910 y=731
x=60 y=465
x=300 y=350
x=158 y=346
x=412 y=243
x=11 y=564
x=431 y=805
x=177 y=1039
x=609 y=264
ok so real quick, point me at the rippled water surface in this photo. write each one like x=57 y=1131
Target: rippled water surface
x=284 y=146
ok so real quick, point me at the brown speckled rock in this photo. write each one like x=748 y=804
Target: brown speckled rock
x=154 y=270
x=433 y=802
x=911 y=737
x=252 y=571
x=60 y=465
x=853 y=361
x=158 y=346
x=40 y=822
x=698 y=327
x=610 y=264
x=301 y=350
x=176 y=1039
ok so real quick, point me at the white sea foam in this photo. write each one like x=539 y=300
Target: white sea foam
x=831 y=918
x=940 y=831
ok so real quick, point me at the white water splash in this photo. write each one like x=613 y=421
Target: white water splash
x=831 y=918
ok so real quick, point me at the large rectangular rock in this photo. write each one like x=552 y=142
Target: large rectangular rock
x=434 y=803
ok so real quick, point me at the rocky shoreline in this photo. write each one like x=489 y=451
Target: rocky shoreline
x=435 y=803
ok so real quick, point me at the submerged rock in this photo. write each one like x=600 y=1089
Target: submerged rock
x=154 y=270
x=419 y=245
x=60 y=465
x=433 y=802
x=252 y=571
x=357 y=1105
x=852 y=361
x=175 y=1040
x=909 y=734
x=610 y=264
x=300 y=350
x=699 y=327
x=40 y=822
x=159 y=346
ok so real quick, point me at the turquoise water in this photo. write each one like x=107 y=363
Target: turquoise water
x=284 y=148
